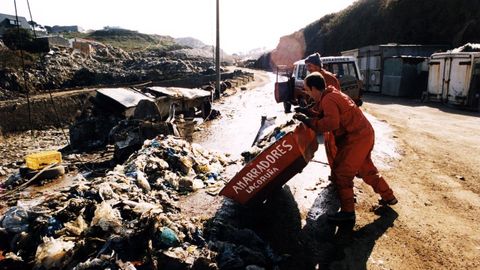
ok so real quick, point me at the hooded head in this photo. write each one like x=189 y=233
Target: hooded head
x=314 y=59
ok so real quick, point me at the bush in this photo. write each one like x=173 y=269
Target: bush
x=18 y=39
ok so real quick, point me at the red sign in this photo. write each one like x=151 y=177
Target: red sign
x=273 y=167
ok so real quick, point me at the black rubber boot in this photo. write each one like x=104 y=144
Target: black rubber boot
x=383 y=202
x=341 y=216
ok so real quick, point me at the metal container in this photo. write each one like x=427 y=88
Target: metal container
x=273 y=167
x=454 y=78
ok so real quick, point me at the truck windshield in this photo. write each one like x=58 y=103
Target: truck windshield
x=342 y=69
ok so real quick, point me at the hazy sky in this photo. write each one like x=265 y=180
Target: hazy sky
x=244 y=24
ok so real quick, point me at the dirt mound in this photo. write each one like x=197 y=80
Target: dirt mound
x=63 y=68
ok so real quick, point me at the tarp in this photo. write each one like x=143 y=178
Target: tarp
x=181 y=93
x=126 y=97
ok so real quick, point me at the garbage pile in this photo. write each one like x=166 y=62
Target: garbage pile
x=128 y=219
x=268 y=133
x=63 y=68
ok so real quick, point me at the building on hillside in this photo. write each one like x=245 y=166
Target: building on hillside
x=58 y=41
x=9 y=21
x=395 y=69
x=82 y=45
x=64 y=29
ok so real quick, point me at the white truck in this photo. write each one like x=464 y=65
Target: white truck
x=345 y=69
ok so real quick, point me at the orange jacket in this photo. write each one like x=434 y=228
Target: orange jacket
x=339 y=114
x=330 y=79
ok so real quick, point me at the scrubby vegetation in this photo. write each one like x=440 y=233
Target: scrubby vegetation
x=368 y=22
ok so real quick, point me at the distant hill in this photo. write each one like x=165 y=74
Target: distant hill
x=129 y=40
x=369 y=22
x=190 y=42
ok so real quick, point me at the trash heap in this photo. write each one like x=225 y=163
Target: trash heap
x=267 y=136
x=128 y=219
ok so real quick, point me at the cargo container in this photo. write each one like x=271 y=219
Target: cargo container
x=454 y=78
x=372 y=60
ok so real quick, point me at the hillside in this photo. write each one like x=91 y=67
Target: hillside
x=129 y=40
x=368 y=22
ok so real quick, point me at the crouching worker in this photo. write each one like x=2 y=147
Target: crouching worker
x=354 y=138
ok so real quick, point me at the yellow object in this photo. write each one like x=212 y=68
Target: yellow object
x=39 y=160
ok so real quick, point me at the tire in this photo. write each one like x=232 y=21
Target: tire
x=51 y=173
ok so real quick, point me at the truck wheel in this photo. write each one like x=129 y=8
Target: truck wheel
x=206 y=109
x=287 y=106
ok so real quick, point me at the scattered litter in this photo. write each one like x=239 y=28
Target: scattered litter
x=126 y=219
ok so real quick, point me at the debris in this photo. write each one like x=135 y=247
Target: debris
x=77 y=226
x=107 y=218
x=168 y=237
x=53 y=253
x=16 y=219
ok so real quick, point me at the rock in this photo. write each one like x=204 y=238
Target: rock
x=168 y=237
x=185 y=184
x=197 y=184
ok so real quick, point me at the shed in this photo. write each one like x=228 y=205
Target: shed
x=403 y=76
x=371 y=60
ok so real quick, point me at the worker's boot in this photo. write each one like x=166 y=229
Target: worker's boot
x=383 y=202
x=342 y=216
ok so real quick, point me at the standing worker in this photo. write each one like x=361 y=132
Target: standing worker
x=314 y=64
x=354 y=138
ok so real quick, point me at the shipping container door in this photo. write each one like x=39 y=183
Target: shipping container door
x=370 y=67
x=474 y=92
x=435 y=78
x=459 y=83
x=447 y=68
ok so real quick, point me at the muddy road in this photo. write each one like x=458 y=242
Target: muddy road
x=429 y=153
x=293 y=221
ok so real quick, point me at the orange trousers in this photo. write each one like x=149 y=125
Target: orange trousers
x=353 y=157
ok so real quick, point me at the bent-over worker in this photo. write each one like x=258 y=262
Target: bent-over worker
x=354 y=138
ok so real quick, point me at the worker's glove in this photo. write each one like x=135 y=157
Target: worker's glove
x=301 y=110
x=303 y=118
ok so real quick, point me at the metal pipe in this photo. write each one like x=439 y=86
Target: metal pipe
x=217 y=52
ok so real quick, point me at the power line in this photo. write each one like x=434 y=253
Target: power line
x=17 y=22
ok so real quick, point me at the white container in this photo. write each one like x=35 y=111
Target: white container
x=454 y=78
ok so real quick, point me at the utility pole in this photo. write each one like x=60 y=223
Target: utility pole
x=217 y=52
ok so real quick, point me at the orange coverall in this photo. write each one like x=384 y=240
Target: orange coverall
x=328 y=138
x=354 y=138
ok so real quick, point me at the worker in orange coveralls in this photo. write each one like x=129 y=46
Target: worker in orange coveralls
x=354 y=138
x=314 y=64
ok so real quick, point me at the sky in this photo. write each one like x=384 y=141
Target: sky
x=244 y=24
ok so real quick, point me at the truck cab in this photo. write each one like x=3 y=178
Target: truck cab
x=345 y=69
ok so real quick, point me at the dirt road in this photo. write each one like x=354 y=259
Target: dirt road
x=437 y=183
x=434 y=172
